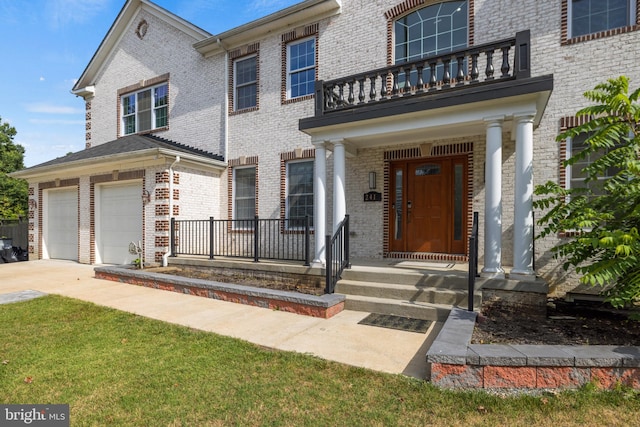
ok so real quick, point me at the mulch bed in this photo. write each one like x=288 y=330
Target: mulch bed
x=240 y=279
x=565 y=324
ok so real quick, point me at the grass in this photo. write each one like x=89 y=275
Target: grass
x=115 y=368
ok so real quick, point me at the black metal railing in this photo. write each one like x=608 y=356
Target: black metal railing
x=473 y=260
x=337 y=248
x=481 y=64
x=275 y=239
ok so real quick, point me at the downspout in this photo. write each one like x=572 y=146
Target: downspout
x=226 y=100
x=165 y=257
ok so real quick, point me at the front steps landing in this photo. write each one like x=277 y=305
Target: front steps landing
x=428 y=290
x=420 y=290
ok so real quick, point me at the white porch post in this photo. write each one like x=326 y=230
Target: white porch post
x=339 y=195
x=523 y=210
x=319 y=202
x=493 y=200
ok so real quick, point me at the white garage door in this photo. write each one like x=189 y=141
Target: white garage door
x=120 y=222
x=61 y=233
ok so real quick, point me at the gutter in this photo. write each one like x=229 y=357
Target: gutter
x=165 y=260
x=72 y=167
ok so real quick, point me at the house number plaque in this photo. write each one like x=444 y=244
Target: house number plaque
x=372 y=196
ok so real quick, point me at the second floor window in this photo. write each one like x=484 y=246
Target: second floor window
x=430 y=31
x=145 y=110
x=245 y=83
x=594 y=16
x=301 y=68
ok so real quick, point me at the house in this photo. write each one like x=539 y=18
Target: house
x=328 y=108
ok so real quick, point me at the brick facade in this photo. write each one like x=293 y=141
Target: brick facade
x=358 y=39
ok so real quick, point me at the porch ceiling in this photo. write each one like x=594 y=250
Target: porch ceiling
x=441 y=115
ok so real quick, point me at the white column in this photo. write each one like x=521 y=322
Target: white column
x=493 y=200
x=523 y=210
x=319 y=202
x=339 y=197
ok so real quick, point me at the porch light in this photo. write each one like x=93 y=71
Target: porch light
x=372 y=180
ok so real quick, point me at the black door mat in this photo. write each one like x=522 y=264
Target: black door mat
x=396 y=322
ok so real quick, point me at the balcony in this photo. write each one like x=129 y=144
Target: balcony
x=479 y=73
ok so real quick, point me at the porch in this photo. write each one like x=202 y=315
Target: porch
x=408 y=288
x=398 y=116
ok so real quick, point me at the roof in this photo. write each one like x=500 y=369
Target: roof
x=132 y=147
x=305 y=11
x=123 y=21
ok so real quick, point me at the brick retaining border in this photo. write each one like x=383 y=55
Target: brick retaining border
x=324 y=306
x=455 y=363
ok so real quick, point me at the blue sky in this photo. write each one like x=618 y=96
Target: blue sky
x=46 y=45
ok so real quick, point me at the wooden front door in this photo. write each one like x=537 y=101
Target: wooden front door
x=428 y=206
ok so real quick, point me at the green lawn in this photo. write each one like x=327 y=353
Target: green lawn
x=115 y=368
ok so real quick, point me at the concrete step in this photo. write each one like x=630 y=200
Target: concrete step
x=416 y=310
x=447 y=279
x=412 y=293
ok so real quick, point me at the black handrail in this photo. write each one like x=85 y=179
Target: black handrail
x=473 y=260
x=255 y=239
x=337 y=248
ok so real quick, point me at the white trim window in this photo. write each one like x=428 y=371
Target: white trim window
x=244 y=193
x=431 y=31
x=594 y=16
x=245 y=83
x=145 y=110
x=575 y=173
x=301 y=67
x=299 y=192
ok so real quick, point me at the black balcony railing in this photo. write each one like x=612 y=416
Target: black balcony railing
x=476 y=65
x=275 y=239
x=337 y=248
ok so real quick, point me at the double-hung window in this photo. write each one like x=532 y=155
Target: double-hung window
x=245 y=87
x=575 y=173
x=299 y=192
x=594 y=16
x=431 y=31
x=301 y=67
x=145 y=110
x=244 y=193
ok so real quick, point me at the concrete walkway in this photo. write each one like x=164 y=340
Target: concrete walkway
x=339 y=339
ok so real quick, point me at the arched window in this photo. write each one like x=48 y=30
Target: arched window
x=432 y=30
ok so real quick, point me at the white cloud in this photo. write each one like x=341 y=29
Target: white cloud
x=46 y=108
x=64 y=148
x=41 y=78
x=63 y=12
x=56 y=122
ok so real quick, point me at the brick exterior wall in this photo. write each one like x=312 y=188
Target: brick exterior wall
x=356 y=40
x=576 y=67
x=193 y=99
